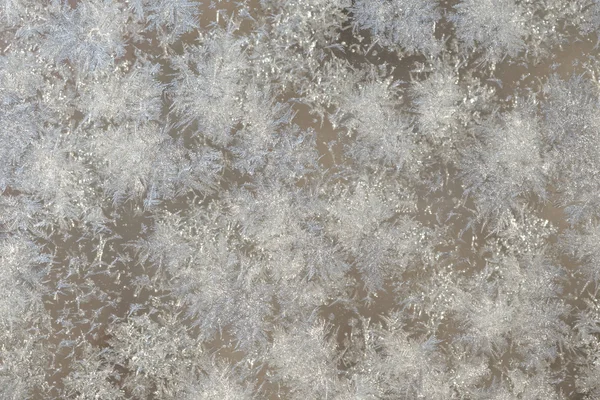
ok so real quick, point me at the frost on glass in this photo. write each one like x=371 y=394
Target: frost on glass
x=309 y=359
x=404 y=25
x=379 y=134
x=318 y=199
x=89 y=36
x=209 y=87
x=437 y=103
x=496 y=28
x=505 y=165
x=572 y=116
x=128 y=94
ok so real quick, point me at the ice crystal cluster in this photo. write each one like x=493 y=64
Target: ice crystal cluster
x=300 y=199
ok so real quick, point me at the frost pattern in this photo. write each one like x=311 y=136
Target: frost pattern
x=282 y=199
